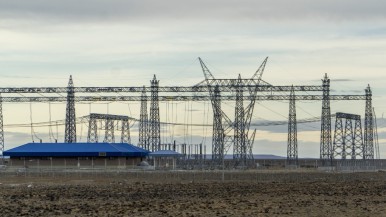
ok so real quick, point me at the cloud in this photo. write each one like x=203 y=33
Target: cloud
x=353 y=91
x=342 y=80
x=14 y=139
x=227 y=10
x=282 y=126
x=335 y=80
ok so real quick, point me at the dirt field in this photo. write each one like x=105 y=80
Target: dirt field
x=359 y=194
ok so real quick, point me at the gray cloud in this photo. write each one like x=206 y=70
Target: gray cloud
x=282 y=126
x=336 y=80
x=228 y=10
x=341 y=80
x=353 y=91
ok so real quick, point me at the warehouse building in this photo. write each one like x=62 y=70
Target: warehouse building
x=76 y=156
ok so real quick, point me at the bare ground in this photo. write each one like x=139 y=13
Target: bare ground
x=361 y=194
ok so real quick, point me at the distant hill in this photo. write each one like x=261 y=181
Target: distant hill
x=255 y=156
x=268 y=156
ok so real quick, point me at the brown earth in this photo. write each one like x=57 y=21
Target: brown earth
x=364 y=195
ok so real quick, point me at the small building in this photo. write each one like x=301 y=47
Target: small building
x=76 y=155
x=164 y=159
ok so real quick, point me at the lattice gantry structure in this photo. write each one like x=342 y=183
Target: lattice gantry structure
x=228 y=133
x=108 y=123
x=292 y=143
x=348 y=140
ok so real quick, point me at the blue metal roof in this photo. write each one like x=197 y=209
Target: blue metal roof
x=76 y=150
x=165 y=153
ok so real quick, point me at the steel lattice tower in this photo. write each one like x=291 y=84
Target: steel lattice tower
x=368 y=152
x=348 y=142
x=143 y=123
x=240 y=146
x=154 y=122
x=222 y=125
x=125 y=132
x=92 y=136
x=325 y=134
x=218 y=134
x=218 y=131
x=109 y=131
x=70 y=128
x=1 y=129
x=292 y=142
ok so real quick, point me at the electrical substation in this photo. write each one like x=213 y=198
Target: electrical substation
x=347 y=142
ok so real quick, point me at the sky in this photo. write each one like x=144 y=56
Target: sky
x=124 y=43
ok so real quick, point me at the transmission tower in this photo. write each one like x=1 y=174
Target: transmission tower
x=218 y=138
x=154 y=122
x=222 y=124
x=70 y=128
x=240 y=146
x=325 y=134
x=292 y=143
x=218 y=131
x=143 y=123
x=368 y=151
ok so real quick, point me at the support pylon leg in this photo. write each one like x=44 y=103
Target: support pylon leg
x=368 y=152
x=357 y=152
x=125 y=132
x=338 y=144
x=109 y=131
x=92 y=136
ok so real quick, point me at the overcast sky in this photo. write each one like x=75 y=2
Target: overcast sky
x=123 y=43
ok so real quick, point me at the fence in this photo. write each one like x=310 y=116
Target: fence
x=279 y=176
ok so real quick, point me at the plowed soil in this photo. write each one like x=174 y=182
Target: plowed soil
x=120 y=196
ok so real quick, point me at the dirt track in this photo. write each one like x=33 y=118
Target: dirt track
x=119 y=196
